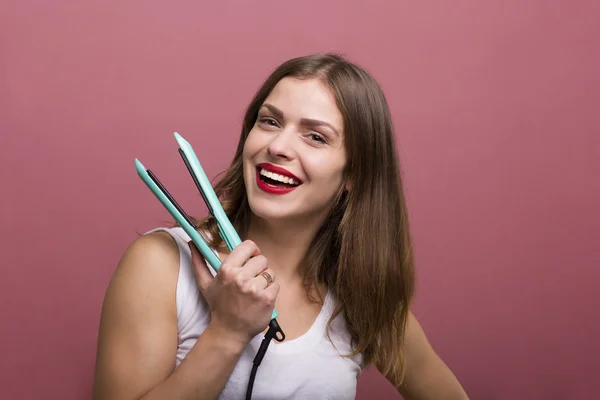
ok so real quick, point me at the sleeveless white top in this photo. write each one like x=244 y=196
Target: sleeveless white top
x=308 y=367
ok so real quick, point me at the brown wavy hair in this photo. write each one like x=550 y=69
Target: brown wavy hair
x=362 y=251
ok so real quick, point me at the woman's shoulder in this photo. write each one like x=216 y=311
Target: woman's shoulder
x=158 y=246
x=139 y=316
x=151 y=260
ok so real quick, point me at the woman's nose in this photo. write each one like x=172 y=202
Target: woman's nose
x=282 y=145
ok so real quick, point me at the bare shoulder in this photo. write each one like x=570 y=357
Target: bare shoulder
x=147 y=270
x=149 y=256
x=137 y=338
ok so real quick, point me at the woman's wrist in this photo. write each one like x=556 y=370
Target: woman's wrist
x=230 y=341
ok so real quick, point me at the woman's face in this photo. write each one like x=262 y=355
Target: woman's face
x=294 y=155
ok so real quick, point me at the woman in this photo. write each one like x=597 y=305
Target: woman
x=315 y=192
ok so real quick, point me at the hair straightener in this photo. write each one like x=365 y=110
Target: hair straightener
x=226 y=231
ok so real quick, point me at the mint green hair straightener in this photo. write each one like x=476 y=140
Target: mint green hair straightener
x=226 y=229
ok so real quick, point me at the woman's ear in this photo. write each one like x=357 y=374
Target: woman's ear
x=348 y=185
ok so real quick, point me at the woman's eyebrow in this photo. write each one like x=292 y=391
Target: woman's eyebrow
x=304 y=121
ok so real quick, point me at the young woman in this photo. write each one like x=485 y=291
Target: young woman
x=315 y=192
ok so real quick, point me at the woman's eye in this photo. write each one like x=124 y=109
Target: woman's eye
x=269 y=121
x=317 y=138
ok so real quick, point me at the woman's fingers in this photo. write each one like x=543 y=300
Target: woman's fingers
x=245 y=268
x=269 y=294
x=253 y=267
x=242 y=294
x=262 y=280
x=240 y=255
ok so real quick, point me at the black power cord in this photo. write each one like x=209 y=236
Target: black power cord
x=262 y=350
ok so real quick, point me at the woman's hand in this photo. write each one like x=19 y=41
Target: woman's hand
x=240 y=298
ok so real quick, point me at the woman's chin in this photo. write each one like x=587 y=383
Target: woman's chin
x=270 y=214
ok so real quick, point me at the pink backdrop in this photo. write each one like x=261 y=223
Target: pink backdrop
x=496 y=105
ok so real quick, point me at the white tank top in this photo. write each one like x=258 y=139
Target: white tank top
x=308 y=367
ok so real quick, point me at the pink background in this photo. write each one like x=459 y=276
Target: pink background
x=496 y=107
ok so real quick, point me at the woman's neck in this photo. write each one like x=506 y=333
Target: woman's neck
x=283 y=244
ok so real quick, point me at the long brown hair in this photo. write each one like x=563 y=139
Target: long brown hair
x=363 y=250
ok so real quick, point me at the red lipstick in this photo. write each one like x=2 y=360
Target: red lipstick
x=272 y=189
x=278 y=170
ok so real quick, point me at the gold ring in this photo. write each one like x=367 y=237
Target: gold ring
x=268 y=277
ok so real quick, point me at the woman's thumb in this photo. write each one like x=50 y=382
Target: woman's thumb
x=200 y=267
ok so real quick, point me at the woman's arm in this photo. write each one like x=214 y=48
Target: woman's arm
x=427 y=376
x=138 y=333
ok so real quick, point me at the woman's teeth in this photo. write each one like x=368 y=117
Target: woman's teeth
x=278 y=177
